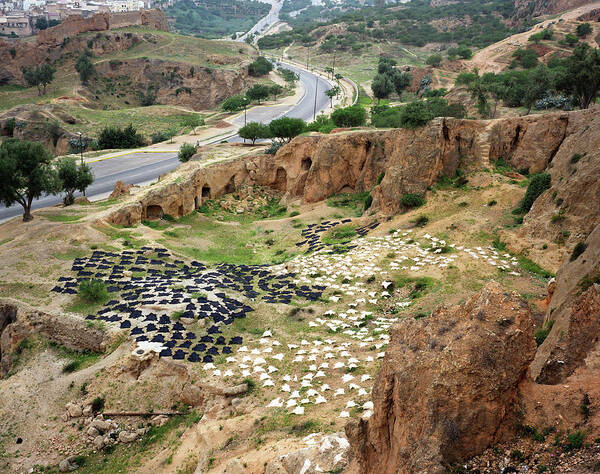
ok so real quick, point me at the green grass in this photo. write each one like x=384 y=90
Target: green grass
x=533 y=268
x=70 y=254
x=339 y=235
x=62 y=217
x=76 y=360
x=356 y=202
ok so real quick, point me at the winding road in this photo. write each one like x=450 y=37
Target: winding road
x=142 y=167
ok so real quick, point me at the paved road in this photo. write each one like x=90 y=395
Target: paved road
x=141 y=168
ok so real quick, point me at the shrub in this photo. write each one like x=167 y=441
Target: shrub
x=538 y=184
x=574 y=441
x=411 y=201
x=542 y=333
x=380 y=177
x=353 y=116
x=161 y=136
x=576 y=157
x=583 y=30
x=286 y=128
x=115 y=137
x=235 y=103
x=578 y=250
x=98 y=404
x=92 y=291
x=260 y=67
x=254 y=131
x=434 y=60
x=186 y=151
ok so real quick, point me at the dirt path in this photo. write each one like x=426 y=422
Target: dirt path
x=490 y=59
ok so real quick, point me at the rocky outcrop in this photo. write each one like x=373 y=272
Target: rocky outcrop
x=76 y=24
x=569 y=211
x=20 y=323
x=408 y=161
x=531 y=8
x=447 y=388
x=176 y=83
x=575 y=314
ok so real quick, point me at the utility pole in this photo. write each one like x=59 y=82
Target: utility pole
x=316 y=91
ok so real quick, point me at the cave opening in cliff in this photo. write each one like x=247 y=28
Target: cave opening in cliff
x=180 y=211
x=196 y=203
x=306 y=164
x=154 y=211
x=206 y=192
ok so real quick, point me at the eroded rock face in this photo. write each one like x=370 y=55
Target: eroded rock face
x=447 y=388
x=20 y=323
x=575 y=313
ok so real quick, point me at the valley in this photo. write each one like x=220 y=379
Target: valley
x=298 y=237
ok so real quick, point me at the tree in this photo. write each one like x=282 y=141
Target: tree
x=461 y=51
x=584 y=30
x=73 y=178
x=115 y=137
x=235 y=103
x=579 y=75
x=286 y=128
x=84 y=66
x=401 y=81
x=26 y=173
x=275 y=90
x=254 y=131
x=434 y=60
x=40 y=76
x=386 y=65
x=258 y=92
x=540 y=82
x=382 y=86
x=333 y=92
x=186 y=151
x=479 y=92
x=353 y=116
x=416 y=114
x=261 y=66
x=41 y=23
x=329 y=70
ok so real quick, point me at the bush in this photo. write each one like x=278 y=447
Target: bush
x=574 y=441
x=538 y=184
x=411 y=201
x=186 y=151
x=416 y=114
x=434 y=60
x=353 y=116
x=161 y=136
x=254 y=131
x=235 y=103
x=92 y=291
x=286 y=128
x=260 y=67
x=583 y=30
x=97 y=404
x=115 y=137
x=578 y=250
x=542 y=333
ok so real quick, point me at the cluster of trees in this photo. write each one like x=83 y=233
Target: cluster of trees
x=261 y=66
x=117 y=137
x=41 y=23
x=389 y=80
x=216 y=18
x=576 y=76
x=284 y=129
x=27 y=171
x=462 y=52
x=39 y=76
x=257 y=93
x=476 y=24
x=415 y=114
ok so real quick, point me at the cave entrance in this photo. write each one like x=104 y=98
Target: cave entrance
x=206 y=192
x=180 y=211
x=154 y=211
x=306 y=164
x=196 y=204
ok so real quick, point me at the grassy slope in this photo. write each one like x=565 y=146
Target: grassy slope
x=168 y=46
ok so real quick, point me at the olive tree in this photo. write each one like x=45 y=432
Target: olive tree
x=26 y=173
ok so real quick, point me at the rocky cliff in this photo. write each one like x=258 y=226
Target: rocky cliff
x=177 y=83
x=532 y=8
x=408 y=161
x=447 y=387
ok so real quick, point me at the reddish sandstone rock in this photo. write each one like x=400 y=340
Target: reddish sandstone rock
x=447 y=388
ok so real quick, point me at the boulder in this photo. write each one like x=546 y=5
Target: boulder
x=121 y=189
x=447 y=388
x=102 y=426
x=68 y=464
x=127 y=436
